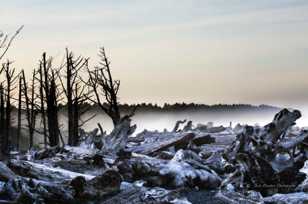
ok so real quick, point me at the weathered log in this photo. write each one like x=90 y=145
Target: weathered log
x=131 y=194
x=118 y=138
x=48 y=152
x=215 y=129
x=138 y=195
x=99 y=187
x=23 y=190
x=77 y=191
x=84 y=165
x=6 y=173
x=163 y=141
x=209 y=129
x=216 y=162
x=203 y=139
x=232 y=197
x=42 y=172
x=57 y=185
x=291 y=198
x=165 y=155
x=178 y=172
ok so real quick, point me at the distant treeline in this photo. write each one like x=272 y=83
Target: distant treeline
x=191 y=107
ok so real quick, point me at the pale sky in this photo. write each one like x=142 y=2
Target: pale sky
x=204 y=51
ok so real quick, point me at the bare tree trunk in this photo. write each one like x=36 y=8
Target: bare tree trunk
x=69 y=94
x=9 y=73
x=28 y=110
x=52 y=114
x=75 y=94
x=43 y=115
x=7 y=117
x=33 y=110
x=52 y=107
x=76 y=118
x=19 y=113
x=2 y=117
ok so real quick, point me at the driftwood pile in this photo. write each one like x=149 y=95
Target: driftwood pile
x=261 y=165
x=268 y=159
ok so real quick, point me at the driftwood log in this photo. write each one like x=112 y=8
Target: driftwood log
x=28 y=182
x=157 y=142
x=6 y=174
x=153 y=142
x=42 y=172
x=117 y=139
x=138 y=195
x=48 y=152
x=185 y=169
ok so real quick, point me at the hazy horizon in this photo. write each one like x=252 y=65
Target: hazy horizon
x=207 y=51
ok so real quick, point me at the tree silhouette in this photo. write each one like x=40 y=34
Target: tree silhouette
x=75 y=94
x=105 y=87
x=10 y=79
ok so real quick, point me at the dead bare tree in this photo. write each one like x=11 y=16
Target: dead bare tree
x=52 y=112
x=104 y=86
x=10 y=78
x=5 y=44
x=31 y=106
x=19 y=112
x=51 y=97
x=42 y=104
x=75 y=94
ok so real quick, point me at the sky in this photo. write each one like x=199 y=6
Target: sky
x=203 y=51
